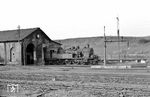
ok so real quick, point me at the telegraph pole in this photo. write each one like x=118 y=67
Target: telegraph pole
x=18 y=33
x=111 y=41
x=104 y=48
x=118 y=33
x=20 y=45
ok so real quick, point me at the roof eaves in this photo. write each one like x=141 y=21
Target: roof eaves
x=10 y=41
x=56 y=42
x=45 y=34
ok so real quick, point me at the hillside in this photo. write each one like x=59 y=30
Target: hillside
x=137 y=45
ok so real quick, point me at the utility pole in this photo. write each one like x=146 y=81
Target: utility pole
x=111 y=41
x=118 y=33
x=19 y=45
x=104 y=48
x=18 y=33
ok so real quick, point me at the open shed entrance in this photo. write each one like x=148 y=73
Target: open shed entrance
x=30 y=54
x=12 y=54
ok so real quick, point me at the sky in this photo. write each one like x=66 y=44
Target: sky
x=61 y=19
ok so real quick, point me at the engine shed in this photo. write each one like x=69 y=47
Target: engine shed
x=25 y=47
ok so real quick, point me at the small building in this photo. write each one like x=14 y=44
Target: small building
x=25 y=46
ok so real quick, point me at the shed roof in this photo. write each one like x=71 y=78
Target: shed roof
x=13 y=35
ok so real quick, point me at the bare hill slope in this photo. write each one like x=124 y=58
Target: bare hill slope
x=137 y=45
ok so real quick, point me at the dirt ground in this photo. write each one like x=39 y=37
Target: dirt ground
x=62 y=81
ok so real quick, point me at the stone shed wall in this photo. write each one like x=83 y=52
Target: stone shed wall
x=12 y=54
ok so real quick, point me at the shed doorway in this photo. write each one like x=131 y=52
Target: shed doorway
x=30 y=54
x=12 y=55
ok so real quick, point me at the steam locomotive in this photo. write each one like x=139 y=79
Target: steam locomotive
x=74 y=55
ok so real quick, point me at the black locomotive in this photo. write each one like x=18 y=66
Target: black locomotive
x=74 y=55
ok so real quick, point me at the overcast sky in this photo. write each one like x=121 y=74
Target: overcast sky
x=61 y=19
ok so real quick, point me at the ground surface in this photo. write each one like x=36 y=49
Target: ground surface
x=60 y=81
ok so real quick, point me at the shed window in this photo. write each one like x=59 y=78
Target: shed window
x=37 y=36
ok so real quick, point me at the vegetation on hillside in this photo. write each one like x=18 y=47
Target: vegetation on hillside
x=137 y=45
